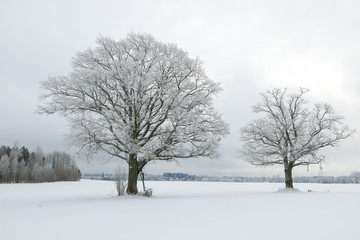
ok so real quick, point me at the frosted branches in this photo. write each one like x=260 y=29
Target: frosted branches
x=289 y=133
x=137 y=96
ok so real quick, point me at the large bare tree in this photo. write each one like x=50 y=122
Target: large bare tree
x=138 y=100
x=290 y=134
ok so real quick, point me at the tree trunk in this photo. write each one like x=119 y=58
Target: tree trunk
x=133 y=175
x=288 y=177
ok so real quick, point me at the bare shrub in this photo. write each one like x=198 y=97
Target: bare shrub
x=120 y=181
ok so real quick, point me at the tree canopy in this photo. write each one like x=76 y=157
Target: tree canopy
x=138 y=100
x=289 y=133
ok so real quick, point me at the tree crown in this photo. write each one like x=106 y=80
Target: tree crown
x=137 y=96
x=289 y=132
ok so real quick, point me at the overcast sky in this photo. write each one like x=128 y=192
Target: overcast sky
x=248 y=46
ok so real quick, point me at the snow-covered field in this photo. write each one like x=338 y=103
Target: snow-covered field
x=179 y=210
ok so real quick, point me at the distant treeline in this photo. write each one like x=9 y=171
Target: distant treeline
x=352 y=178
x=19 y=165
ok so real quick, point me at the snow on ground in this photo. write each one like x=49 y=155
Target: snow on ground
x=179 y=210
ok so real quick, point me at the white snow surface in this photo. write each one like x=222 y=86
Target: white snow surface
x=179 y=210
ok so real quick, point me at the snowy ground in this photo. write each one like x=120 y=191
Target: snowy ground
x=179 y=210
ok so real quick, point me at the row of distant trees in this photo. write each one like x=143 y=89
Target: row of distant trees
x=354 y=177
x=20 y=165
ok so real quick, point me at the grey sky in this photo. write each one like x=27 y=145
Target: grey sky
x=249 y=46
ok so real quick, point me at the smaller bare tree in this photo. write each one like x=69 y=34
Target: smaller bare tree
x=290 y=134
x=120 y=181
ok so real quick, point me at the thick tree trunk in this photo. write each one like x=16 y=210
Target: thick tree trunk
x=288 y=177
x=133 y=175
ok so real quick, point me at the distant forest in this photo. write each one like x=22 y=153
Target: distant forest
x=19 y=165
x=354 y=177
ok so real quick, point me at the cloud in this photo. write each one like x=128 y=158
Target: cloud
x=249 y=46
